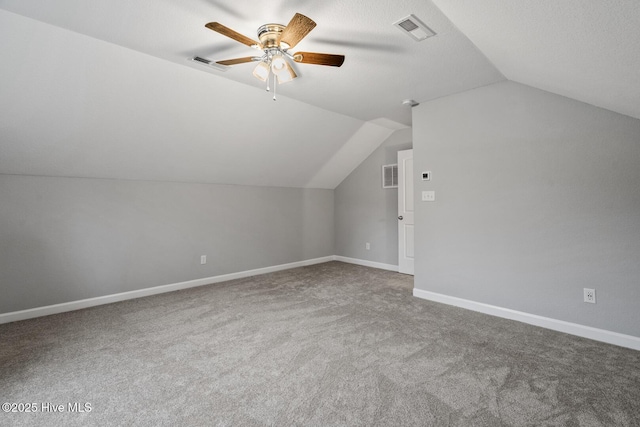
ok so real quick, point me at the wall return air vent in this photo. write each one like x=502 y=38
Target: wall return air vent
x=390 y=176
x=415 y=28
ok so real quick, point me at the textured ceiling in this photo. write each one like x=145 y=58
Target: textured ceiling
x=106 y=89
x=75 y=106
x=383 y=66
x=585 y=50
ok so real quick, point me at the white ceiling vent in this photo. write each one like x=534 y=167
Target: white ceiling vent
x=415 y=28
x=205 y=61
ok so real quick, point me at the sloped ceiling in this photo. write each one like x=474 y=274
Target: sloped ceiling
x=106 y=89
x=383 y=65
x=80 y=107
x=585 y=50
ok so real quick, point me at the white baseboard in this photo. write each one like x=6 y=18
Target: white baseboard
x=108 y=299
x=609 y=337
x=366 y=263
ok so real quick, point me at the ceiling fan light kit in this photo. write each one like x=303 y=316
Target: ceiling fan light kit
x=275 y=42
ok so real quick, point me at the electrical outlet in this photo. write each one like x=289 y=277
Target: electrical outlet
x=203 y=259
x=367 y=246
x=590 y=295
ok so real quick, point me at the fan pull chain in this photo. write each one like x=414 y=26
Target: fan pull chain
x=275 y=85
x=268 y=89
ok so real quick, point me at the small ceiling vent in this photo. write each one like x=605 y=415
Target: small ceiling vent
x=415 y=28
x=210 y=63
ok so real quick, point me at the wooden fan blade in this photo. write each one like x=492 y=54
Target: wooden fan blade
x=236 y=61
x=226 y=31
x=319 y=58
x=296 y=30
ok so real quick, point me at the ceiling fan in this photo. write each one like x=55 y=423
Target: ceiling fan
x=275 y=42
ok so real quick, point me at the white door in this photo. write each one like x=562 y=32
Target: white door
x=405 y=211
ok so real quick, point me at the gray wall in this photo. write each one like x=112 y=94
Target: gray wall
x=365 y=212
x=66 y=239
x=537 y=197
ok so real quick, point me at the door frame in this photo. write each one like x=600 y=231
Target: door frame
x=405 y=212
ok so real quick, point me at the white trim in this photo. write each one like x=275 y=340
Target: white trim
x=108 y=299
x=366 y=263
x=609 y=337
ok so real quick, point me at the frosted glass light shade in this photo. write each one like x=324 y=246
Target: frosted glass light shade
x=285 y=74
x=278 y=64
x=261 y=71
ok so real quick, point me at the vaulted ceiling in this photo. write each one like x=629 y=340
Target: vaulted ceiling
x=107 y=89
x=585 y=50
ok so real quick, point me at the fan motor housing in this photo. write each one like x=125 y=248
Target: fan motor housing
x=269 y=35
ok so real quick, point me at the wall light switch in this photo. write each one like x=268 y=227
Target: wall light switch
x=429 y=196
x=203 y=259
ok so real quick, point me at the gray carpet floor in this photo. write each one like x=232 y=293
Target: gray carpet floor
x=328 y=345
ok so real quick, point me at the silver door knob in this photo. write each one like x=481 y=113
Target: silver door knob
x=400 y=218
